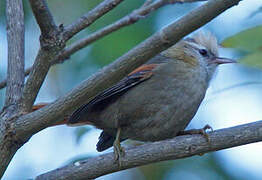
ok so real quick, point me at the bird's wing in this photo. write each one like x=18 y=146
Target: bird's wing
x=103 y=99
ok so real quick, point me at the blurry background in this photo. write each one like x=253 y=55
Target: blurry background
x=232 y=99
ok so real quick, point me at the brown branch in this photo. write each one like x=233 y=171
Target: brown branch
x=90 y=17
x=51 y=43
x=46 y=116
x=43 y=16
x=15 y=76
x=176 y=148
x=15 y=38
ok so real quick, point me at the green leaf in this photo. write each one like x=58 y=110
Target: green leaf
x=249 y=40
x=253 y=60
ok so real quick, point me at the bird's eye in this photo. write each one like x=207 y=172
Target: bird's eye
x=203 y=52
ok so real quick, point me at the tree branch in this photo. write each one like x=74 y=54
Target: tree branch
x=176 y=148
x=15 y=39
x=15 y=77
x=43 y=17
x=90 y=17
x=51 y=43
x=48 y=115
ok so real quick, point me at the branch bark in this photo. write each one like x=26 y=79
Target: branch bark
x=15 y=77
x=51 y=43
x=176 y=148
x=48 y=115
x=43 y=16
x=15 y=38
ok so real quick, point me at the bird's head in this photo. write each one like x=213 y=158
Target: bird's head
x=201 y=49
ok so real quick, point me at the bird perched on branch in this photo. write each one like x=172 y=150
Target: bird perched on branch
x=157 y=100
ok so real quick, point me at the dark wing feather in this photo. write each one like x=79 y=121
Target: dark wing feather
x=106 y=97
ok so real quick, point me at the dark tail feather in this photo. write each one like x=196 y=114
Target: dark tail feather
x=105 y=141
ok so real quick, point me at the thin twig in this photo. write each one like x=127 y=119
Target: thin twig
x=176 y=148
x=90 y=17
x=15 y=38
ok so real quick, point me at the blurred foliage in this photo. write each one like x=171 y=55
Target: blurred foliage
x=80 y=132
x=253 y=59
x=156 y=171
x=249 y=43
x=249 y=40
x=259 y=10
x=197 y=167
x=106 y=50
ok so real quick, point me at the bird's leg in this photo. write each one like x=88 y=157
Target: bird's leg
x=118 y=150
x=198 y=131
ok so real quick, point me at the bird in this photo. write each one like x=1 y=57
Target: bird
x=157 y=100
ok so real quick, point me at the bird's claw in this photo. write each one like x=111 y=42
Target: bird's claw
x=202 y=131
x=119 y=152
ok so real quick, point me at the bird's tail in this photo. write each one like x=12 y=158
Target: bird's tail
x=105 y=141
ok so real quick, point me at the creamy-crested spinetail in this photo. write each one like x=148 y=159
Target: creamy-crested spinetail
x=157 y=100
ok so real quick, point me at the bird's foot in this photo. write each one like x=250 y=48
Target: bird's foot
x=119 y=152
x=202 y=131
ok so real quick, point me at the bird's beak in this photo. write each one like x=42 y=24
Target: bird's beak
x=220 y=60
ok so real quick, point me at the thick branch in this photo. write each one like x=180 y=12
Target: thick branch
x=90 y=17
x=15 y=39
x=176 y=148
x=38 y=120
